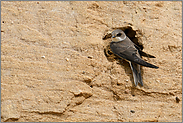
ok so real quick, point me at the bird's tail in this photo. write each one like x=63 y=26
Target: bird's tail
x=136 y=73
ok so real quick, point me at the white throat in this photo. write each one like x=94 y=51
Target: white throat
x=118 y=38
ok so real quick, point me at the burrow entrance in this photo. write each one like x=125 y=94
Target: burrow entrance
x=132 y=35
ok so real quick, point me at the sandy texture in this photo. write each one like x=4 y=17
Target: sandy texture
x=53 y=65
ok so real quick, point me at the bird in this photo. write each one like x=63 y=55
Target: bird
x=124 y=48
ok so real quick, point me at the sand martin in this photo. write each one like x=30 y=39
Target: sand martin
x=123 y=47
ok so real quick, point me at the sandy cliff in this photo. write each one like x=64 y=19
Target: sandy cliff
x=53 y=65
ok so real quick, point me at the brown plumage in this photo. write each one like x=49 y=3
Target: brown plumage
x=123 y=47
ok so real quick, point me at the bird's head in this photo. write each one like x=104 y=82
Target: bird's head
x=118 y=35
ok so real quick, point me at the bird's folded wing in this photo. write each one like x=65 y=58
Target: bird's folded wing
x=142 y=53
x=130 y=53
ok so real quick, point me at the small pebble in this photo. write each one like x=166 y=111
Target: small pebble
x=127 y=91
x=177 y=100
x=87 y=79
x=127 y=80
x=66 y=43
x=171 y=93
x=42 y=56
x=132 y=111
x=67 y=59
x=90 y=57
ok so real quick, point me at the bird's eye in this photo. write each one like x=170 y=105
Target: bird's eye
x=119 y=34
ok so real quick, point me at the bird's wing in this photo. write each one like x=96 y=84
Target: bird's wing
x=127 y=50
x=142 y=53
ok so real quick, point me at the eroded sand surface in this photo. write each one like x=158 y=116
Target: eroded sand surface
x=53 y=66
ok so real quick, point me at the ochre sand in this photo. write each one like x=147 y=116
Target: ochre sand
x=53 y=67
